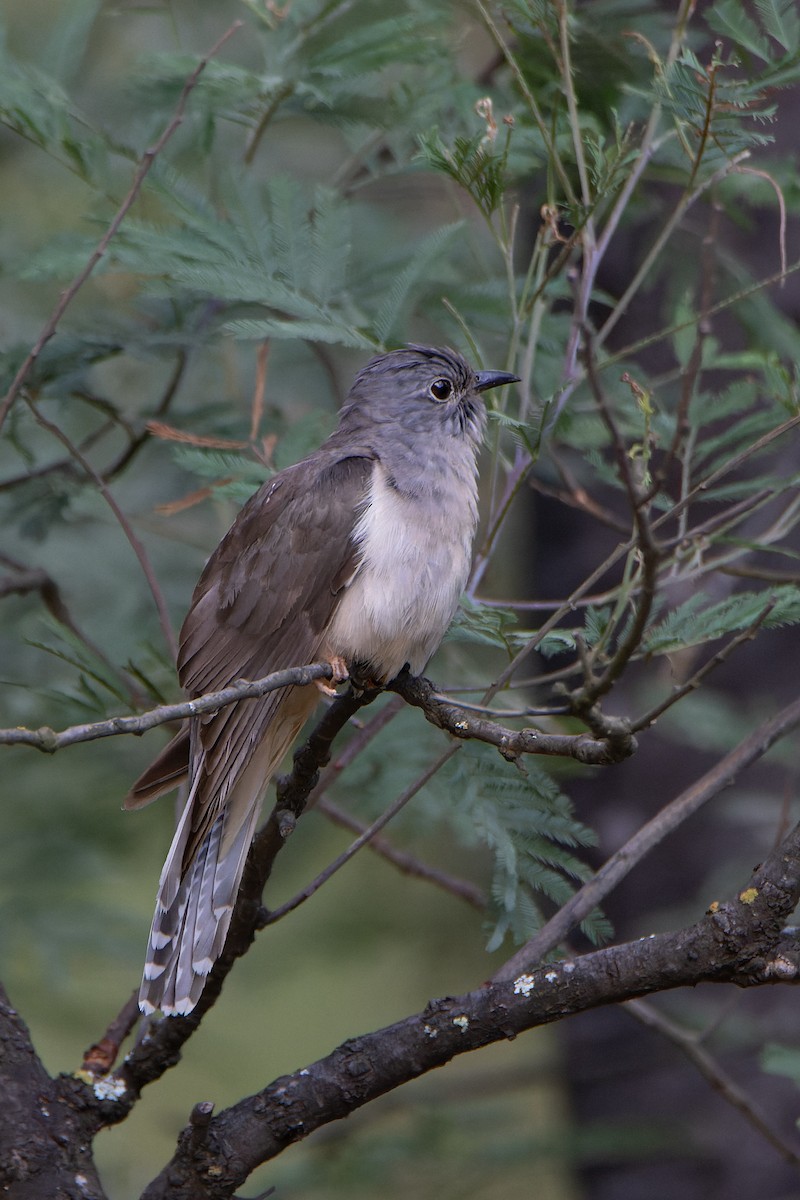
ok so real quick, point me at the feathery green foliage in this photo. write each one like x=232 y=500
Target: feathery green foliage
x=527 y=823
x=587 y=194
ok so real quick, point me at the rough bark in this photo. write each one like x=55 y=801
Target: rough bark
x=738 y=942
x=45 y=1139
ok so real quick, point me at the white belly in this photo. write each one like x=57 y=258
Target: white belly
x=415 y=559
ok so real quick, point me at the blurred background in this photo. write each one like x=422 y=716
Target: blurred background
x=305 y=145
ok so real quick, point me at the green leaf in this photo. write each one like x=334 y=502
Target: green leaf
x=730 y=18
x=482 y=623
x=528 y=825
x=371 y=46
x=596 y=625
x=219 y=464
x=557 y=641
x=68 y=39
x=472 y=163
x=691 y=623
x=95 y=680
x=781 y=21
x=312 y=331
x=525 y=433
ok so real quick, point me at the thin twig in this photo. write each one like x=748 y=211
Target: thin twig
x=690 y=375
x=124 y=458
x=665 y=233
x=48 y=740
x=67 y=464
x=762 y=574
x=100 y=1058
x=649 y=551
x=719 y=1079
x=624 y=548
x=626 y=353
x=125 y=525
x=691 y=685
x=781 y=209
x=38 y=580
x=621 y=863
x=405 y=862
x=572 y=109
x=363 y=839
x=356 y=745
x=281 y=93
x=145 y=164
x=136 y=443
x=544 y=129
x=574 y=495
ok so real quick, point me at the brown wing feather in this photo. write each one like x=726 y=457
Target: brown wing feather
x=256 y=607
x=264 y=602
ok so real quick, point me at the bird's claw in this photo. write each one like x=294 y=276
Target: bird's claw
x=340 y=673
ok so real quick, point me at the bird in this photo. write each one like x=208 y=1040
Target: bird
x=357 y=555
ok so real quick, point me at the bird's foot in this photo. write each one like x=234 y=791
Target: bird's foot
x=363 y=680
x=340 y=673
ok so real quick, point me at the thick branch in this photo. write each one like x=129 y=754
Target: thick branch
x=739 y=942
x=44 y=1148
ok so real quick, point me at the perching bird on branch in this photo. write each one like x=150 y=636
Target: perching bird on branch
x=356 y=555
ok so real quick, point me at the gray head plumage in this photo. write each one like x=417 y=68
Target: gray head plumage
x=421 y=389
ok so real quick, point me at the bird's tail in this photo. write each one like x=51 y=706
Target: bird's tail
x=196 y=898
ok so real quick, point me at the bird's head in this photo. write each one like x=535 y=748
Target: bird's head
x=424 y=390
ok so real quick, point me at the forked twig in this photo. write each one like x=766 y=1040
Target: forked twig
x=648 y=1015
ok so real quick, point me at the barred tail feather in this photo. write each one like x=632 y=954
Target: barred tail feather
x=196 y=899
x=193 y=914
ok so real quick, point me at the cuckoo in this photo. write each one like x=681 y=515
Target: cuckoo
x=357 y=555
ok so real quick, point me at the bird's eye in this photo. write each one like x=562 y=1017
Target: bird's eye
x=441 y=389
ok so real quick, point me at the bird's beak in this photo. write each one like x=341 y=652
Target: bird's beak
x=492 y=379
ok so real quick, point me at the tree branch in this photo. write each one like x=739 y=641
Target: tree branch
x=43 y=1138
x=740 y=942
x=363 y=839
x=124 y=524
x=722 y=1083
x=406 y=863
x=615 y=745
x=579 y=906
x=48 y=740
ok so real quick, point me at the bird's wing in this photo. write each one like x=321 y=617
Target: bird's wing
x=262 y=603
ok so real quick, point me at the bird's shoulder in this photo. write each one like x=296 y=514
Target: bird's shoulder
x=301 y=507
